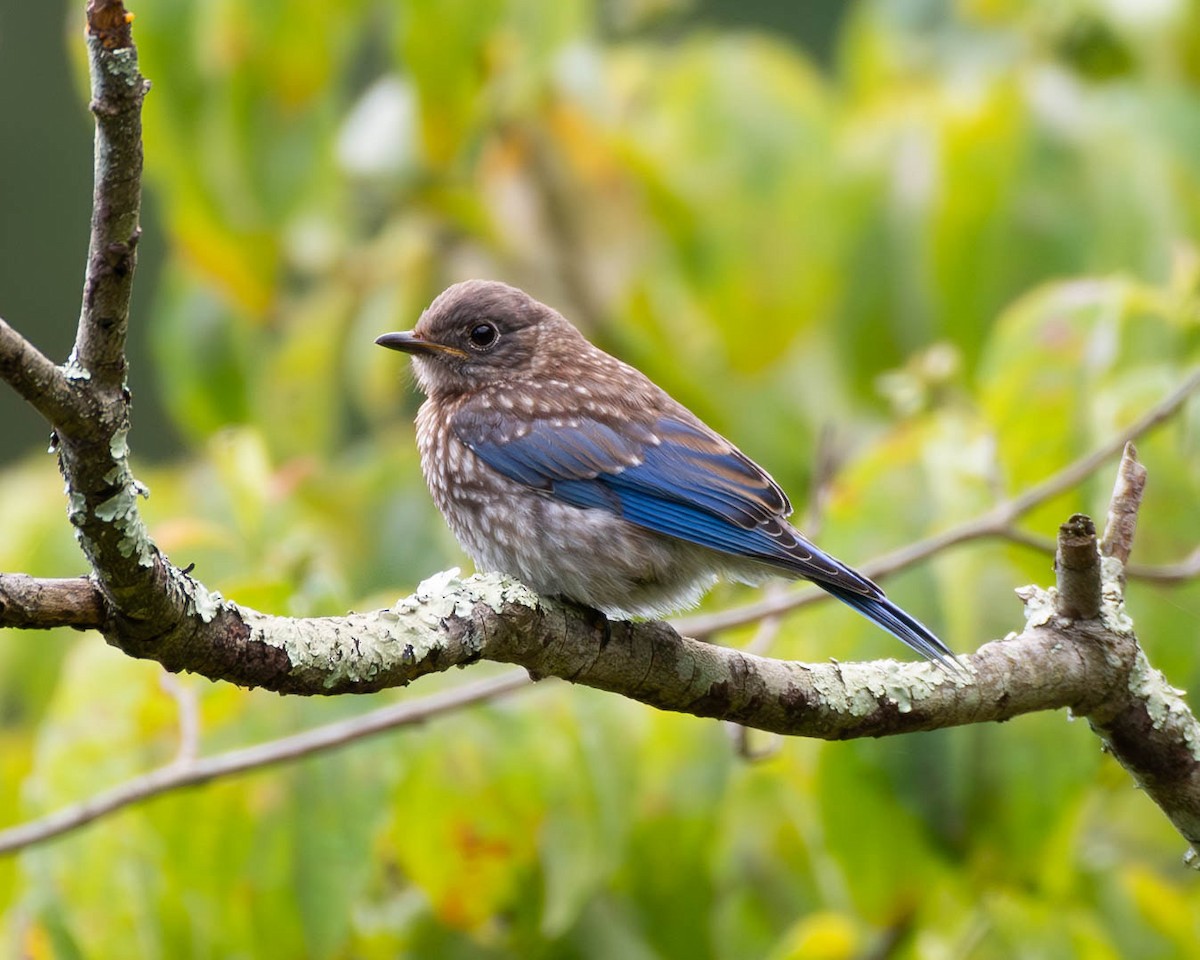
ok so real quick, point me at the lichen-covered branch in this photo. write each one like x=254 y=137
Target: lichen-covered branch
x=450 y=622
x=1146 y=724
x=1148 y=727
x=117 y=91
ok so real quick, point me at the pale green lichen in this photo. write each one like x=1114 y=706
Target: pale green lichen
x=355 y=650
x=76 y=508
x=445 y=594
x=1164 y=704
x=904 y=686
x=202 y=602
x=123 y=64
x=360 y=647
x=1039 y=605
x=1112 y=597
x=119 y=506
x=118 y=445
x=843 y=697
x=861 y=686
x=121 y=511
x=74 y=370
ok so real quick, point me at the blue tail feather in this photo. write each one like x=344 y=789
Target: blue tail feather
x=899 y=623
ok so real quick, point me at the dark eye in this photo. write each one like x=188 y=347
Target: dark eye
x=483 y=335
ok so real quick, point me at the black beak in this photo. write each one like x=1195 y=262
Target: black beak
x=409 y=342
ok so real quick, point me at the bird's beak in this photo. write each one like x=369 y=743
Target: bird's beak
x=409 y=342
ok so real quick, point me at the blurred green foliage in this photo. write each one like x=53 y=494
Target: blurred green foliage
x=969 y=243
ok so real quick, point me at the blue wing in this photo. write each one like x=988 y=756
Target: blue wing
x=676 y=477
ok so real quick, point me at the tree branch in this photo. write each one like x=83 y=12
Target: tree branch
x=29 y=603
x=37 y=380
x=450 y=622
x=117 y=92
x=1123 y=507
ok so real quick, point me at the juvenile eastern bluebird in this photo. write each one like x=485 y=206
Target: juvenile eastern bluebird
x=570 y=470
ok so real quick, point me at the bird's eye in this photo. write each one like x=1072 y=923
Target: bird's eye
x=483 y=335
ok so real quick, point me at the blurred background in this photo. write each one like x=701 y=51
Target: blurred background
x=958 y=240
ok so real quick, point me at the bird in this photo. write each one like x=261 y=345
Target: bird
x=556 y=463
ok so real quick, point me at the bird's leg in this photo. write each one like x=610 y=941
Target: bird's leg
x=598 y=624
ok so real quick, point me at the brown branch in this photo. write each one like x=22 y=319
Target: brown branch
x=192 y=772
x=38 y=381
x=450 y=622
x=1123 y=507
x=30 y=603
x=117 y=92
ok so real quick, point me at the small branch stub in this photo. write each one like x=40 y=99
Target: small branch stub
x=1077 y=565
x=28 y=603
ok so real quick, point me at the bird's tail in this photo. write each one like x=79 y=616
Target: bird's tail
x=899 y=623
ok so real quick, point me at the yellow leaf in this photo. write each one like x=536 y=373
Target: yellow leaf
x=820 y=936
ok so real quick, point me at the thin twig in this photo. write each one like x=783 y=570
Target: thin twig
x=1182 y=572
x=1123 y=508
x=176 y=776
x=188 y=705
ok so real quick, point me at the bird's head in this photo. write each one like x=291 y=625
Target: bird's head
x=482 y=332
